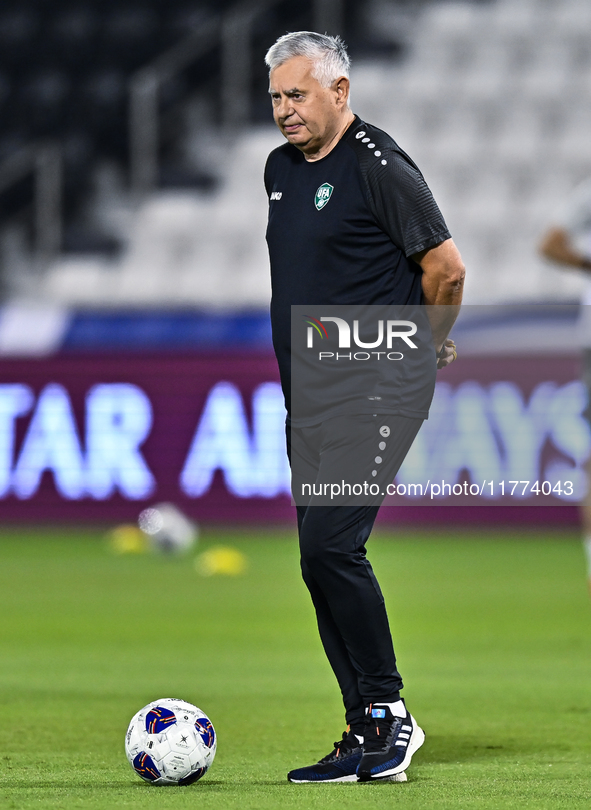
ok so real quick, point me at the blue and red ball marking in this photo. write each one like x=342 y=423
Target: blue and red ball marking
x=144 y=765
x=205 y=731
x=159 y=719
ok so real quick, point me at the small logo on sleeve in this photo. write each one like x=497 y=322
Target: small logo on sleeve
x=276 y=195
x=323 y=195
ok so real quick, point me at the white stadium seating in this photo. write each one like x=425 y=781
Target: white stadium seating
x=492 y=102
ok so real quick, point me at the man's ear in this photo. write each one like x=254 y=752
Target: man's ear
x=341 y=88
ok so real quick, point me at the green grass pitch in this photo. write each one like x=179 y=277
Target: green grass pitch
x=493 y=636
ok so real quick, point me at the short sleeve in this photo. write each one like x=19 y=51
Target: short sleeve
x=402 y=202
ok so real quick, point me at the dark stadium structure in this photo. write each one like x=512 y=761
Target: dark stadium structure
x=65 y=73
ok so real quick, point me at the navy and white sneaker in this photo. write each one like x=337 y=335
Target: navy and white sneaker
x=338 y=766
x=389 y=743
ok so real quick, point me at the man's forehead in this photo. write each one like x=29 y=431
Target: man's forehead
x=293 y=75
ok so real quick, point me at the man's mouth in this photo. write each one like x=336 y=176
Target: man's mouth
x=291 y=127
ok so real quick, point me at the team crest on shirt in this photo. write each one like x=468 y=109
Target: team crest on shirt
x=323 y=195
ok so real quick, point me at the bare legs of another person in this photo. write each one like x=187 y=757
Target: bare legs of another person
x=586 y=521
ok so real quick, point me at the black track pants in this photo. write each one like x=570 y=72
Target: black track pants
x=349 y=605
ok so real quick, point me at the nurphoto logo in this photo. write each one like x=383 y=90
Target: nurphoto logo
x=323 y=195
x=394 y=329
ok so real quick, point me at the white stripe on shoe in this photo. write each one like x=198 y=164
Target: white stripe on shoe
x=416 y=740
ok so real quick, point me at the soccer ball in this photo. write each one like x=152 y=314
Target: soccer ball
x=170 y=742
x=168 y=530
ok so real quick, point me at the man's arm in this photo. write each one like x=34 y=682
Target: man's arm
x=443 y=284
x=557 y=246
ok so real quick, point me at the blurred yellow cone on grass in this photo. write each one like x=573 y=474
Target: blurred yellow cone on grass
x=222 y=560
x=127 y=539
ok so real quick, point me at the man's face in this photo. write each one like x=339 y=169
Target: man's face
x=305 y=112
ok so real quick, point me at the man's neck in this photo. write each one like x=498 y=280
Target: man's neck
x=327 y=147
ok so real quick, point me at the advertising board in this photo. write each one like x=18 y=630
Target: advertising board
x=96 y=437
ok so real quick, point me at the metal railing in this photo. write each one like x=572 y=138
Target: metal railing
x=236 y=75
x=234 y=35
x=144 y=92
x=44 y=162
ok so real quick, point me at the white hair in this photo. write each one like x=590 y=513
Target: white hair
x=328 y=54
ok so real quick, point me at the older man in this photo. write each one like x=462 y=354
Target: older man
x=351 y=221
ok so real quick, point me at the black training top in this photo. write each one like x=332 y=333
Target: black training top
x=342 y=229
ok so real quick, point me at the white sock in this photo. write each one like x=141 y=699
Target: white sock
x=398 y=709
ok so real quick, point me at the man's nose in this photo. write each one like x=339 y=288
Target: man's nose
x=285 y=107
